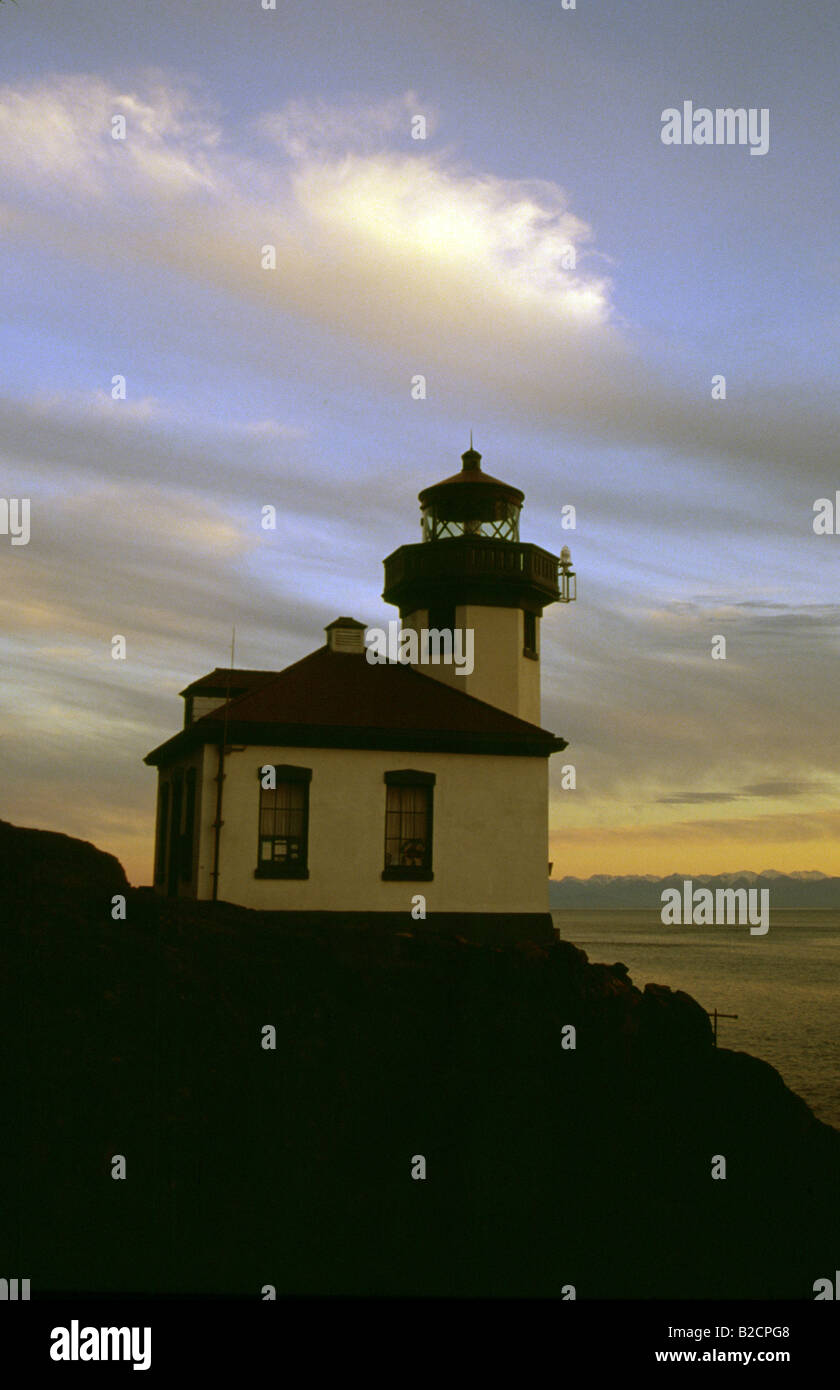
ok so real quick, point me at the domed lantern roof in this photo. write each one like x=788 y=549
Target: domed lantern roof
x=471 y=503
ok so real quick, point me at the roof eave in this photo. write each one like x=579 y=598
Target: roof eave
x=540 y=744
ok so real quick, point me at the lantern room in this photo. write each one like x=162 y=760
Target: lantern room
x=471 y=503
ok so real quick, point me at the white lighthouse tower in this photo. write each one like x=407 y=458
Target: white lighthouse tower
x=472 y=572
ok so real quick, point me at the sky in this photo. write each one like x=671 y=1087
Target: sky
x=588 y=385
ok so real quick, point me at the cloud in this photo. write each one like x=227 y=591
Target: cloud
x=427 y=263
x=772 y=791
x=509 y=236
x=696 y=798
x=754 y=830
x=653 y=723
x=269 y=429
x=67 y=439
x=57 y=135
x=99 y=404
x=320 y=129
x=393 y=257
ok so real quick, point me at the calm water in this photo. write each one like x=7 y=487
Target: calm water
x=784 y=987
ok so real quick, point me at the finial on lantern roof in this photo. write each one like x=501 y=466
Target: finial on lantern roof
x=471 y=460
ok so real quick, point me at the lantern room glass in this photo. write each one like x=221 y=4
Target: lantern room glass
x=502 y=523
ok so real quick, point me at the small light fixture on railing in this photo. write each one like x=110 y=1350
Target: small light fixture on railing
x=567 y=579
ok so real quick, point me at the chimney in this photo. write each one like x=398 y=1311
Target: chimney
x=346 y=635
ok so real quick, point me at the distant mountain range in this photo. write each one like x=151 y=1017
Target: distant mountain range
x=797 y=890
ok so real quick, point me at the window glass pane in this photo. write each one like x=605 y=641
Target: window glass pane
x=406 y=827
x=283 y=823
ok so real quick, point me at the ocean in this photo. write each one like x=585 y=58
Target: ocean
x=784 y=987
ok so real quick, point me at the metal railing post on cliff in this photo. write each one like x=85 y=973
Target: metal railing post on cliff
x=714 y=1015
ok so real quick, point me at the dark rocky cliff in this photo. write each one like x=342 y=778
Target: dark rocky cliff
x=545 y=1166
x=37 y=864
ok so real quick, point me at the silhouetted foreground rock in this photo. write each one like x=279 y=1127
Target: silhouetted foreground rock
x=42 y=863
x=546 y=1165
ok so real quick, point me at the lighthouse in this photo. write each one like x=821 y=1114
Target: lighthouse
x=345 y=790
x=472 y=573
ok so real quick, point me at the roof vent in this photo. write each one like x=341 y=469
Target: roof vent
x=345 y=635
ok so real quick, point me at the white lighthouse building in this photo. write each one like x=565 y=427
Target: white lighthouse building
x=353 y=788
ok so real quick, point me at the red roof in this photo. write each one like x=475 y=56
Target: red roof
x=474 y=479
x=331 y=698
x=238 y=679
x=471 y=476
x=343 y=688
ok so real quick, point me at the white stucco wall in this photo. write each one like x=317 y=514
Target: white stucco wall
x=490 y=845
x=502 y=675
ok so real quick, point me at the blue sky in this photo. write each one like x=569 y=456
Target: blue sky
x=395 y=257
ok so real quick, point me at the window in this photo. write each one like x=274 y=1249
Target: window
x=162 y=830
x=188 y=837
x=529 y=645
x=408 y=825
x=442 y=617
x=284 y=822
x=176 y=808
